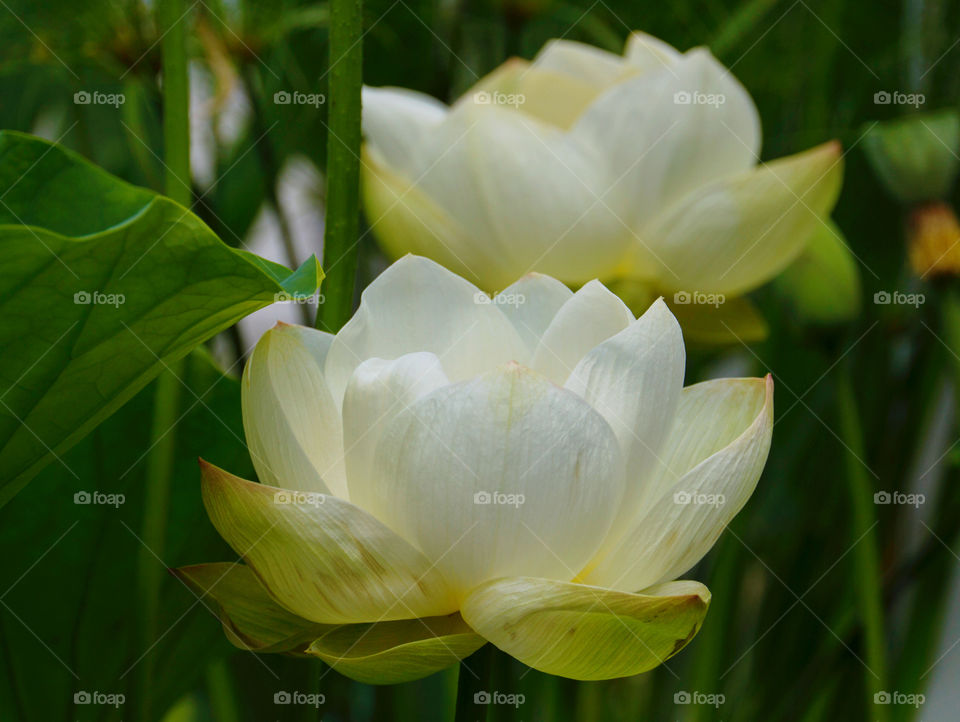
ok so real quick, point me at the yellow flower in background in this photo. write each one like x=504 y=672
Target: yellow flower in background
x=452 y=468
x=583 y=164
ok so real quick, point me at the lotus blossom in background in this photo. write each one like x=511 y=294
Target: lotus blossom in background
x=582 y=164
x=451 y=469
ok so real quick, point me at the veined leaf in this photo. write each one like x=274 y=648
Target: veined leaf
x=102 y=285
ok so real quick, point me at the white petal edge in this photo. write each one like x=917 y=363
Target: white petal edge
x=417 y=305
x=635 y=380
x=678 y=529
x=395 y=121
x=377 y=392
x=290 y=420
x=591 y=316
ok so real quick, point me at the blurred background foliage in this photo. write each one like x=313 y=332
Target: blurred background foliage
x=783 y=639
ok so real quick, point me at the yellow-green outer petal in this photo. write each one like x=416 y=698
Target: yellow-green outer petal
x=823 y=284
x=321 y=557
x=251 y=619
x=395 y=652
x=583 y=632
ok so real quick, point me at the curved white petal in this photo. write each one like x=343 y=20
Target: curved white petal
x=551 y=96
x=709 y=480
x=737 y=233
x=590 y=317
x=531 y=305
x=417 y=305
x=502 y=475
x=290 y=419
x=647 y=52
x=588 y=63
x=635 y=380
x=671 y=130
x=395 y=121
x=406 y=220
x=530 y=192
x=377 y=392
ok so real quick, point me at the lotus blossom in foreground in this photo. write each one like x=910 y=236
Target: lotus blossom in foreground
x=585 y=164
x=451 y=469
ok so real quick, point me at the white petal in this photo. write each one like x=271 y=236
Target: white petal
x=377 y=392
x=417 y=305
x=717 y=475
x=736 y=233
x=406 y=220
x=290 y=419
x=530 y=192
x=593 y=315
x=531 y=304
x=659 y=147
x=395 y=121
x=635 y=379
x=649 y=53
x=554 y=97
x=584 y=62
x=504 y=475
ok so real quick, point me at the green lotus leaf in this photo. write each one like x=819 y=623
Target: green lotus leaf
x=102 y=286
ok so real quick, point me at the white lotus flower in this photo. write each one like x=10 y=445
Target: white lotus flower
x=449 y=469
x=584 y=164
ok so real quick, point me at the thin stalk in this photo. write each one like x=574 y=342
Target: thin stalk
x=340 y=243
x=476 y=672
x=712 y=643
x=865 y=553
x=222 y=693
x=160 y=462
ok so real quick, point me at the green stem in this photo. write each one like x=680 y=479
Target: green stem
x=176 y=100
x=713 y=642
x=476 y=672
x=865 y=553
x=340 y=243
x=222 y=693
x=160 y=462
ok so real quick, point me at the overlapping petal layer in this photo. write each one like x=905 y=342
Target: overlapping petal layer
x=582 y=632
x=323 y=558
